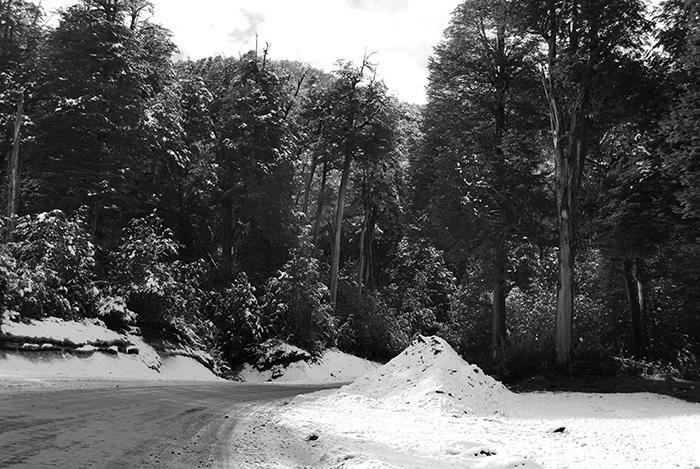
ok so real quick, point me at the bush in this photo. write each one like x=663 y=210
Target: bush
x=143 y=271
x=296 y=305
x=421 y=285
x=49 y=268
x=236 y=314
x=114 y=312
x=369 y=327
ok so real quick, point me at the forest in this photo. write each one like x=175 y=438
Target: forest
x=541 y=212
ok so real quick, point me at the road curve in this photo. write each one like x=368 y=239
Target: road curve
x=128 y=425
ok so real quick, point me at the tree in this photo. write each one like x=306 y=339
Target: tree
x=20 y=36
x=98 y=76
x=255 y=171
x=347 y=111
x=586 y=41
x=482 y=126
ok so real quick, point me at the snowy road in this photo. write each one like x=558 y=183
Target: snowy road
x=126 y=424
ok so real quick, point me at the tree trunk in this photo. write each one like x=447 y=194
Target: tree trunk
x=307 y=188
x=340 y=209
x=369 y=251
x=565 y=293
x=498 y=338
x=226 y=238
x=641 y=295
x=363 y=234
x=361 y=269
x=13 y=170
x=319 y=207
x=635 y=299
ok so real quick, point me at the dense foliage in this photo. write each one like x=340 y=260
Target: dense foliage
x=543 y=203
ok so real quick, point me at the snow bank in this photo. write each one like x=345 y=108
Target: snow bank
x=283 y=363
x=429 y=374
x=53 y=365
x=88 y=350
x=74 y=333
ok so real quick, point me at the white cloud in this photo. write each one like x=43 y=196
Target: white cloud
x=401 y=33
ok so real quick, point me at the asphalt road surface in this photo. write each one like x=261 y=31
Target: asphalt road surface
x=128 y=425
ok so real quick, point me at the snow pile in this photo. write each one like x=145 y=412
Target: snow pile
x=429 y=374
x=283 y=363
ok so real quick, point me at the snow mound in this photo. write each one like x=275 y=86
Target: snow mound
x=284 y=363
x=428 y=375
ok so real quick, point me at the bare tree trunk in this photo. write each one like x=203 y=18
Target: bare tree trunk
x=309 y=182
x=226 y=238
x=13 y=170
x=635 y=295
x=498 y=338
x=319 y=207
x=369 y=251
x=641 y=295
x=565 y=292
x=361 y=269
x=363 y=233
x=339 y=213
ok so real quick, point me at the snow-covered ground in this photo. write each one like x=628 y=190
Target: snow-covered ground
x=284 y=363
x=430 y=409
x=54 y=330
x=58 y=349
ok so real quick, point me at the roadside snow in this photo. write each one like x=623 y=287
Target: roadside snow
x=333 y=366
x=88 y=350
x=393 y=417
x=54 y=365
x=77 y=333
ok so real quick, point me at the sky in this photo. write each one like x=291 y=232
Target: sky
x=400 y=33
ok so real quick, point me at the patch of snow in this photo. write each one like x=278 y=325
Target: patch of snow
x=333 y=366
x=86 y=349
x=147 y=354
x=178 y=367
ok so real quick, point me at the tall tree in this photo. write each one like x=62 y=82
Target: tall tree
x=98 y=77
x=585 y=41
x=482 y=124
x=255 y=170
x=20 y=36
x=347 y=111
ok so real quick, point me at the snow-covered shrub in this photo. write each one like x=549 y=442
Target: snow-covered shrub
x=274 y=352
x=236 y=314
x=296 y=305
x=144 y=272
x=421 y=286
x=48 y=269
x=114 y=312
